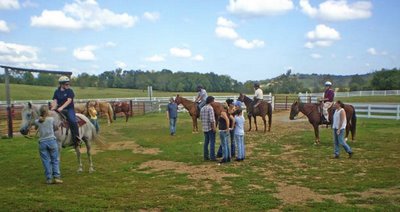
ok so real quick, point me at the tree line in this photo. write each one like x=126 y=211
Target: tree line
x=166 y=80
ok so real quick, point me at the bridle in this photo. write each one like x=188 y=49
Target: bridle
x=31 y=121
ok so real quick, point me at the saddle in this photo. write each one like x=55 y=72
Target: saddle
x=65 y=123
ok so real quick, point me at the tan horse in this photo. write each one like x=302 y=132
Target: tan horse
x=81 y=108
x=191 y=107
x=104 y=108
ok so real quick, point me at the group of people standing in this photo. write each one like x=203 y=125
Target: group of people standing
x=230 y=127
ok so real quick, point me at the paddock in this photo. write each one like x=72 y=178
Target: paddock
x=143 y=168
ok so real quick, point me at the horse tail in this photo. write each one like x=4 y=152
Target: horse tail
x=110 y=112
x=353 y=123
x=269 y=114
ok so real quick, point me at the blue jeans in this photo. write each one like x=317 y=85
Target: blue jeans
x=172 y=125
x=96 y=124
x=226 y=154
x=240 y=146
x=209 y=139
x=48 y=150
x=233 y=149
x=73 y=124
x=339 y=139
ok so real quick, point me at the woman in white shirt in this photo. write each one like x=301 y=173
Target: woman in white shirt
x=339 y=126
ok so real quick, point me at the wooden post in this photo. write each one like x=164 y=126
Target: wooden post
x=131 y=107
x=286 y=97
x=8 y=98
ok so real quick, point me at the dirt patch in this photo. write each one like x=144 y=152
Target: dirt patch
x=204 y=175
x=123 y=145
x=293 y=194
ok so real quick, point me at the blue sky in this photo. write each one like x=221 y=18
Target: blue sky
x=245 y=39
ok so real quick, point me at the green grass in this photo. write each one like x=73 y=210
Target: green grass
x=119 y=184
x=29 y=92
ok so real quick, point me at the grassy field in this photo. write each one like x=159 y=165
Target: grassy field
x=27 y=92
x=144 y=168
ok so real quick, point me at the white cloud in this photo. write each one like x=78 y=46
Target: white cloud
x=151 y=16
x=120 y=64
x=180 y=52
x=223 y=22
x=321 y=36
x=198 y=58
x=244 y=44
x=323 y=32
x=110 y=44
x=338 y=10
x=316 y=56
x=82 y=15
x=9 y=4
x=3 y=26
x=259 y=7
x=226 y=32
x=155 y=58
x=85 y=53
x=29 y=3
x=372 y=51
x=12 y=53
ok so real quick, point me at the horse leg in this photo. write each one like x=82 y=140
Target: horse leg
x=194 y=124
x=89 y=154
x=78 y=155
x=255 y=122
x=347 y=131
x=265 y=124
x=108 y=119
x=249 y=117
x=126 y=117
x=316 y=132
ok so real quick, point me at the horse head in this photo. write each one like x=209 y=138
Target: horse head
x=178 y=99
x=29 y=113
x=294 y=110
x=241 y=97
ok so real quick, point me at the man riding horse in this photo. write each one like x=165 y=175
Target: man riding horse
x=201 y=97
x=327 y=102
x=258 y=97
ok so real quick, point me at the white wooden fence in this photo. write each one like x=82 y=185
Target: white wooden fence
x=378 y=111
x=358 y=93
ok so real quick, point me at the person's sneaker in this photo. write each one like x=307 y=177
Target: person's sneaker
x=50 y=181
x=58 y=181
x=350 y=154
x=336 y=156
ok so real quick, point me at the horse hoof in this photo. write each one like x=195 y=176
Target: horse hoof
x=80 y=170
x=91 y=170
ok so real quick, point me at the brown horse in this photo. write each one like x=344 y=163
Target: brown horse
x=191 y=107
x=263 y=109
x=103 y=108
x=311 y=110
x=122 y=107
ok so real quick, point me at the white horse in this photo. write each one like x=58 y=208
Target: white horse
x=87 y=131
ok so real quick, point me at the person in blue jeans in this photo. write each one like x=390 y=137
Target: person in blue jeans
x=231 y=109
x=48 y=147
x=223 y=126
x=239 y=134
x=339 y=126
x=172 y=115
x=208 y=124
x=63 y=102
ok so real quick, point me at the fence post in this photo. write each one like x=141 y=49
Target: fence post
x=398 y=112
x=131 y=106
x=286 y=97
x=369 y=111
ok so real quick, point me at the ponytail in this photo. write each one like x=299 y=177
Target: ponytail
x=44 y=111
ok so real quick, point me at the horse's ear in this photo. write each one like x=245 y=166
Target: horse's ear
x=177 y=95
x=29 y=105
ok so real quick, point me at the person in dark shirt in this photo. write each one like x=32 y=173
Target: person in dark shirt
x=327 y=101
x=63 y=102
x=172 y=115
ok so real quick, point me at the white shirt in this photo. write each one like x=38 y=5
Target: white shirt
x=258 y=94
x=336 y=119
